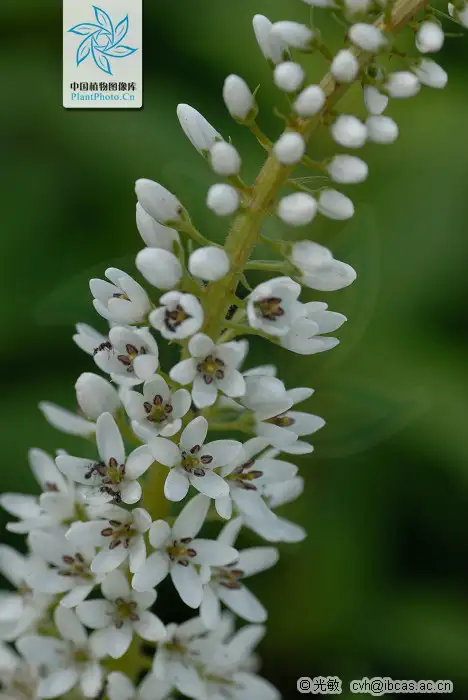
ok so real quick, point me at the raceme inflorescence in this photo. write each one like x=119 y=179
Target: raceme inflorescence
x=128 y=511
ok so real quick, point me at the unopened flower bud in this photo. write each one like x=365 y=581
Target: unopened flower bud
x=161 y=204
x=238 y=98
x=273 y=48
x=159 y=267
x=402 y=84
x=430 y=37
x=209 y=263
x=294 y=34
x=297 y=209
x=367 y=37
x=429 y=73
x=225 y=159
x=310 y=101
x=375 y=101
x=335 y=205
x=349 y=131
x=154 y=235
x=381 y=129
x=347 y=169
x=289 y=76
x=460 y=15
x=95 y=395
x=289 y=148
x=345 y=66
x=197 y=129
x=223 y=199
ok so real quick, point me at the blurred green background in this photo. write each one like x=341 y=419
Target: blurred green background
x=380 y=587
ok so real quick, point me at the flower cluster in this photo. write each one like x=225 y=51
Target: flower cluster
x=125 y=513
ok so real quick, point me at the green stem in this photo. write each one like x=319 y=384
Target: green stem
x=154 y=499
x=267 y=265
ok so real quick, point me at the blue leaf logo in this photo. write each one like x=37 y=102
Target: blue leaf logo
x=102 y=41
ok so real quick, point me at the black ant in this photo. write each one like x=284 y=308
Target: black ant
x=103 y=346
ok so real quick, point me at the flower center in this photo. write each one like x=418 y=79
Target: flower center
x=175 y=317
x=211 y=368
x=192 y=463
x=132 y=353
x=282 y=420
x=120 y=533
x=75 y=566
x=111 y=476
x=229 y=577
x=179 y=551
x=80 y=656
x=158 y=411
x=244 y=475
x=125 y=610
x=270 y=308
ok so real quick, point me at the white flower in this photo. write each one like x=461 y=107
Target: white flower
x=158 y=202
x=297 y=209
x=17 y=674
x=402 y=84
x=95 y=395
x=367 y=37
x=122 y=300
x=305 y=336
x=197 y=129
x=289 y=148
x=310 y=101
x=123 y=614
x=158 y=409
x=273 y=528
x=209 y=263
x=113 y=477
x=120 y=687
x=193 y=463
x=22 y=609
x=375 y=101
x=429 y=73
x=133 y=354
x=211 y=368
x=319 y=268
x=289 y=76
x=247 y=475
x=69 y=571
x=294 y=34
x=347 y=169
x=179 y=316
x=238 y=98
x=88 y=339
x=224 y=159
x=223 y=199
x=349 y=131
x=273 y=48
x=345 y=66
x=118 y=532
x=226 y=582
x=159 y=267
x=70 y=661
x=179 y=553
x=381 y=129
x=155 y=235
x=273 y=307
x=335 y=205
x=429 y=37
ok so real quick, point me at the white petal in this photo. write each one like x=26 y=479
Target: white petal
x=180 y=402
x=150 y=627
x=114 y=642
x=249 y=686
x=191 y=518
x=76 y=595
x=69 y=626
x=213 y=552
x=91 y=680
x=210 y=609
x=200 y=345
x=66 y=421
x=108 y=559
x=44 y=469
x=137 y=553
x=109 y=440
x=57 y=684
x=159 y=534
x=176 y=485
x=164 y=451
x=204 y=394
x=120 y=687
x=223 y=507
x=95 y=614
x=130 y=492
x=153 y=571
x=242 y=602
x=233 y=384
x=145 y=366
x=194 y=433
x=211 y=484
x=138 y=462
x=256 y=559
x=184 y=372
x=115 y=585
x=188 y=584
x=222 y=451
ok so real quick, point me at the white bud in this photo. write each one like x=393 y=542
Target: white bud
x=161 y=204
x=354 y=6
x=95 y=395
x=237 y=97
x=349 y=131
x=374 y=100
x=273 y=48
x=335 y=205
x=289 y=76
x=429 y=73
x=223 y=199
x=429 y=37
x=199 y=132
x=347 y=170
x=294 y=34
x=209 y=263
x=224 y=159
x=289 y=148
x=402 y=84
x=460 y=15
x=382 y=129
x=154 y=235
x=160 y=267
x=310 y=101
x=367 y=37
x=345 y=66
x=297 y=209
